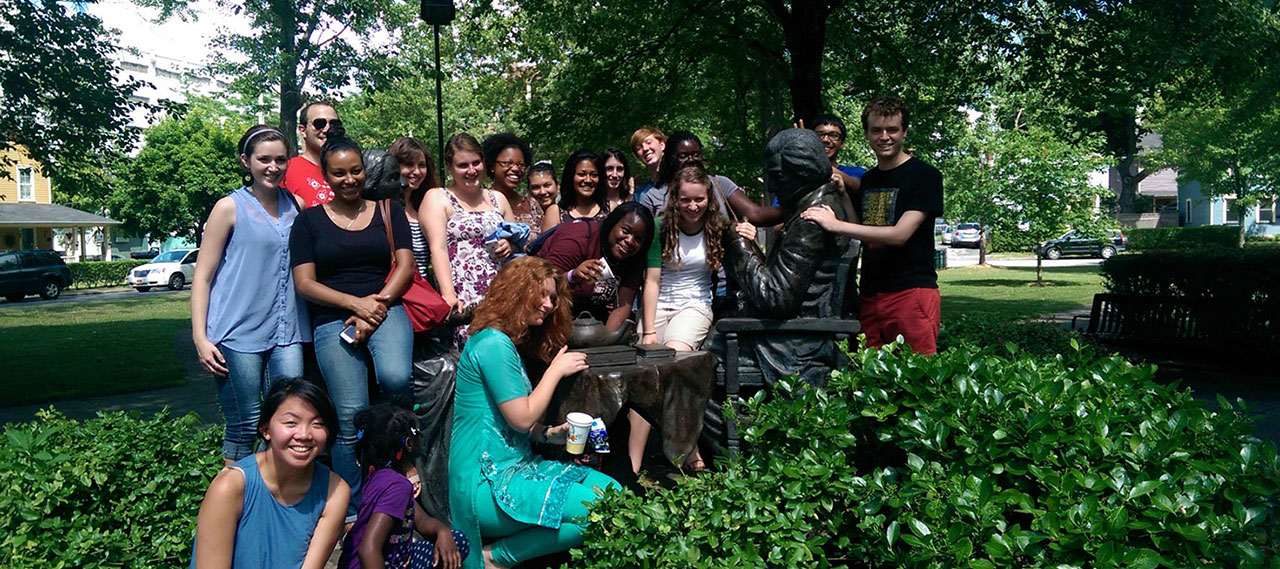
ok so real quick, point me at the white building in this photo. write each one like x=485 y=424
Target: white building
x=166 y=78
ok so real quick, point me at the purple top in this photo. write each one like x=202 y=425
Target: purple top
x=385 y=492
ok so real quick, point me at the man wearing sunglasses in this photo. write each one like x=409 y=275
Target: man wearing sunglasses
x=304 y=178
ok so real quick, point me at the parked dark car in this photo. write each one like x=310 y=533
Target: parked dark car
x=32 y=272
x=148 y=254
x=1073 y=243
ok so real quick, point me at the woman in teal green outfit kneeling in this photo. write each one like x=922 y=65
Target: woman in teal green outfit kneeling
x=498 y=488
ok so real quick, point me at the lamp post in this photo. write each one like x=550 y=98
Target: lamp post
x=438 y=13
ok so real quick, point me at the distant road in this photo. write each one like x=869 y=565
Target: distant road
x=90 y=294
x=966 y=257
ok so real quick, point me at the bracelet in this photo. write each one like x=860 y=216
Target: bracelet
x=649 y=334
x=544 y=433
x=569 y=276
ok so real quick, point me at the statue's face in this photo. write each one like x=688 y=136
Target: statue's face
x=795 y=163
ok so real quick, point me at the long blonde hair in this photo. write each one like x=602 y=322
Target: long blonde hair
x=713 y=223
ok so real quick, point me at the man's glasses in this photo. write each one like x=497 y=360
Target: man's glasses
x=509 y=164
x=828 y=134
x=319 y=124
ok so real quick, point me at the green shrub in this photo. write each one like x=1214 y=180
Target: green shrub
x=1249 y=275
x=1012 y=240
x=115 y=491
x=1032 y=337
x=967 y=459
x=94 y=274
x=1183 y=238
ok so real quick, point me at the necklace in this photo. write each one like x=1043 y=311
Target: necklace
x=333 y=214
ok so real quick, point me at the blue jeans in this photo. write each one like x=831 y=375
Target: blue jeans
x=249 y=375
x=346 y=373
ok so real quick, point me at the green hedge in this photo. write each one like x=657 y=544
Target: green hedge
x=116 y=491
x=1038 y=338
x=967 y=459
x=94 y=274
x=1183 y=238
x=1250 y=275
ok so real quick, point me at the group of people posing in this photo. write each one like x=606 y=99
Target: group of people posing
x=298 y=261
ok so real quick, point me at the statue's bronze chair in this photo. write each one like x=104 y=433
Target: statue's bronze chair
x=741 y=377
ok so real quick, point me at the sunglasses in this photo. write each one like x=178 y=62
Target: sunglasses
x=319 y=124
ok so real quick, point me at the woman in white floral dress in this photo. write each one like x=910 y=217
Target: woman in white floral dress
x=458 y=219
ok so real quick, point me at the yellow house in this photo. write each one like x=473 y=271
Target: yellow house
x=28 y=216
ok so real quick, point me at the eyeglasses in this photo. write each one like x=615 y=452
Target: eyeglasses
x=828 y=134
x=695 y=155
x=508 y=164
x=319 y=124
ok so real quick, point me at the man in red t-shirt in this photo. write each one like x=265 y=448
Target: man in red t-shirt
x=304 y=178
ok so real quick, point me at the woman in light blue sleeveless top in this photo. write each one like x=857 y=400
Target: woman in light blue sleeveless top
x=278 y=508
x=246 y=321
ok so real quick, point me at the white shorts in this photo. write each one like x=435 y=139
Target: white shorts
x=688 y=325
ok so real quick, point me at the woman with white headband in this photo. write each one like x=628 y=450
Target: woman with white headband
x=247 y=322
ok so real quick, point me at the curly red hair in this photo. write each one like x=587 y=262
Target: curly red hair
x=512 y=302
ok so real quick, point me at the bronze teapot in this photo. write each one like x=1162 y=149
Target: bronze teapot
x=590 y=333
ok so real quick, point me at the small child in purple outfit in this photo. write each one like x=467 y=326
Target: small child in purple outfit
x=382 y=536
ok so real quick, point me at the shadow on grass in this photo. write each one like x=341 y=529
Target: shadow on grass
x=954 y=305
x=1017 y=283
x=68 y=306
x=50 y=362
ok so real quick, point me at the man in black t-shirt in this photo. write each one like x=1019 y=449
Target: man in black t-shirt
x=897 y=203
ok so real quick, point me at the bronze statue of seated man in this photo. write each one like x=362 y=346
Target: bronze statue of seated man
x=798 y=276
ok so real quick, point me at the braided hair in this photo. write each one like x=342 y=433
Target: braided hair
x=386 y=436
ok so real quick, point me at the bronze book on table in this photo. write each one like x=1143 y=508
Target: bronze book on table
x=609 y=355
x=654 y=351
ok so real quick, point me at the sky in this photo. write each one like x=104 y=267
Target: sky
x=187 y=41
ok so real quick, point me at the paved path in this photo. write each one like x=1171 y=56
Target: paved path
x=969 y=257
x=198 y=395
x=86 y=294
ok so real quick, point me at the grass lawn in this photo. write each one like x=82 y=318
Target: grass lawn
x=62 y=350
x=1010 y=293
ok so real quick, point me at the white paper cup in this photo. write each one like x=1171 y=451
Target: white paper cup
x=606 y=272
x=579 y=429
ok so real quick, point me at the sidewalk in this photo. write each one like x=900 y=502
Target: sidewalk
x=95 y=291
x=199 y=395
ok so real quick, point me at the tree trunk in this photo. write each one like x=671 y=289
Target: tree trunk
x=1040 y=267
x=1243 y=230
x=806 y=32
x=982 y=247
x=290 y=91
x=1124 y=146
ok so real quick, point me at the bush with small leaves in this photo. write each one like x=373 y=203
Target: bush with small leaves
x=115 y=491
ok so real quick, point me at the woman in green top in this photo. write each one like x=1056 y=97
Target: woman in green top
x=498 y=487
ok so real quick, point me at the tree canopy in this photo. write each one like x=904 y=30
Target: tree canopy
x=60 y=99
x=188 y=164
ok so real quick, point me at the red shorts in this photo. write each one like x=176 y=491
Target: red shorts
x=915 y=314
